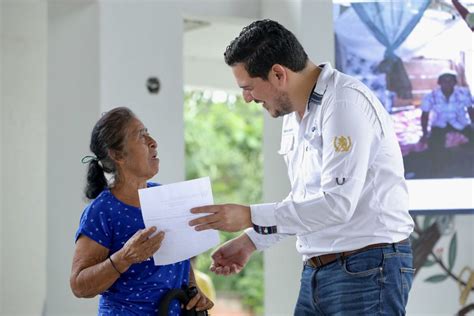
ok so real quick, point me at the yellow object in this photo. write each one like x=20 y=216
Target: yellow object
x=205 y=284
x=469 y=285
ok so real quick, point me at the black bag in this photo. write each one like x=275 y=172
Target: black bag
x=182 y=295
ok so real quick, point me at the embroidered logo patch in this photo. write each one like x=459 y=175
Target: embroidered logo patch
x=342 y=144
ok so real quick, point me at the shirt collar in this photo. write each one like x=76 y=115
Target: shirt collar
x=316 y=96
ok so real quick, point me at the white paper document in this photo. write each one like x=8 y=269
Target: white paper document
x=168 y=208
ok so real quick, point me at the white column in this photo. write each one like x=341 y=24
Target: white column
x=23 y=157
x=148 y=45
x=285 y=12
x=96 y=62
x=311 y=22
x=282 y=264
x=2 y=124
x=316 y=31
x=74 y=106
x=204 y=47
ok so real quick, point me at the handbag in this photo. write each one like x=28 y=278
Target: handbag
x=184 y=296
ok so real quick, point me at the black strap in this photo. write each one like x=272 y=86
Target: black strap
x=184 y=296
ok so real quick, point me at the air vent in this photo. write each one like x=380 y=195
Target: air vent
x=194 y=24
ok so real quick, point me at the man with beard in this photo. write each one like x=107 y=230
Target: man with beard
x=348 y=204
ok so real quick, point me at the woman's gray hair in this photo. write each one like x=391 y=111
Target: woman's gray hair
x=108 y=135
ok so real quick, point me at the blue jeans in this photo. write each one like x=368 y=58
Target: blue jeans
x=372 y=282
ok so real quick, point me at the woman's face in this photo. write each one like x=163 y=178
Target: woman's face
x=139 y=159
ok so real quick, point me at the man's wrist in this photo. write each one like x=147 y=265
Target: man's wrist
x=249 y=218
x=248 y=242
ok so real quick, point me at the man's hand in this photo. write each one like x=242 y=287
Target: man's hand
x=232 y=256
x=225 y=217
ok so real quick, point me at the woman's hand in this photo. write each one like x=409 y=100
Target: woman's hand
x=92 y=273
x=200 y=302
x=138 y=248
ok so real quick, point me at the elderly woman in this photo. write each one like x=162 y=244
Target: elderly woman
x=113 y=253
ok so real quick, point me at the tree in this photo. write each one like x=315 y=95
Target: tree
x=224 y=141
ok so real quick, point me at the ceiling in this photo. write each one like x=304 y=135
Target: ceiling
x=208 y=38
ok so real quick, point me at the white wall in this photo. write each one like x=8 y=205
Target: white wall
x=74 y=106
x=204 y=65
x=286 y=12
x=311 y=22
x=198 y=76
x=2 y=124
x=97 y=62
x=204 y=45
x=282 y=264
x=23 y=152
x=317 y=30
x=150 y=44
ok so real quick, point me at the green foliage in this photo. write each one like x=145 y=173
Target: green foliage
x=428 y=221
x=224 y=141
x=429 y=263
x=436 y=278
x=453 y=245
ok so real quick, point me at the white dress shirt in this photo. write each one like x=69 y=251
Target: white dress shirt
x=346 y=173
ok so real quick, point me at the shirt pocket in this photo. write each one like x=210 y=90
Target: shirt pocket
x=312 y=163
x=287 y=144
x=287 y=147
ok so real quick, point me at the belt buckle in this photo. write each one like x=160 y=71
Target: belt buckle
x=315 y=262
x=311 y=262
x=319 y=263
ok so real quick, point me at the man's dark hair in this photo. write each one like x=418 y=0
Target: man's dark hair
x=262 y=44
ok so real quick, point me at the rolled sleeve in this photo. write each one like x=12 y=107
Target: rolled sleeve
x=263 y=214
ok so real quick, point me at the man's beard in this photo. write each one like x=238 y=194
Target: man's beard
x=283 y=105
